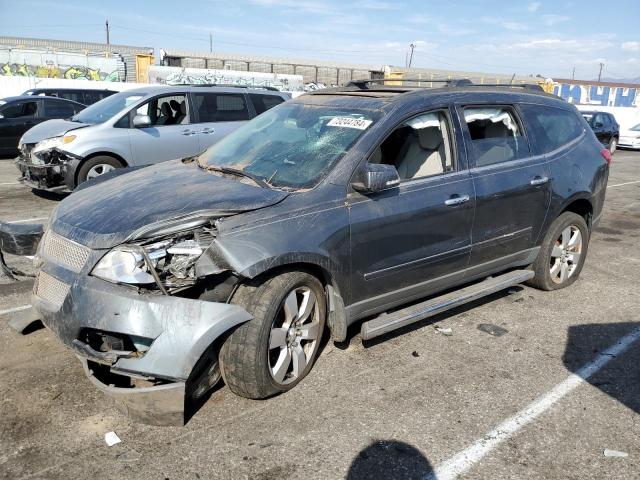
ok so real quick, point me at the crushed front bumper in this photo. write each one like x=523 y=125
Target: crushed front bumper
x=174 y=333
x=55 y=176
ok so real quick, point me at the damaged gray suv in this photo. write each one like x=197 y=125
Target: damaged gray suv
x=364 y=202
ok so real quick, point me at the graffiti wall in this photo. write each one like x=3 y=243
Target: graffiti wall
x=606 y=96
x=199 y=76
x=70 y=66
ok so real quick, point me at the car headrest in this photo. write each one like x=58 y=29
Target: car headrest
x=430 y=138
x=165 y=109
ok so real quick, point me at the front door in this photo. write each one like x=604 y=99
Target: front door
x=170 y=135
x=410 y=240
x=511 y=185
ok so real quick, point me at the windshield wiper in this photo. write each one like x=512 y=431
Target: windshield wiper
x=240 y=173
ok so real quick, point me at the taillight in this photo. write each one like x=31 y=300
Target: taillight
x=606 y=154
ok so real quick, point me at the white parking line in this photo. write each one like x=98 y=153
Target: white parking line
x=16 y=309
x=621 y=184
x=463 y=461
x=28 y=220
x=10 y=183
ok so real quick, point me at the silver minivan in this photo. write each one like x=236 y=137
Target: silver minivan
x=135 y=128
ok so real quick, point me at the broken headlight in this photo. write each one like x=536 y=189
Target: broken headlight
x=172 y=260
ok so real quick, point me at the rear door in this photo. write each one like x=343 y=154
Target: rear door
x=17 y=118
x=511 y=184
x=170 y=135
x=263 y=102
x=217 y=114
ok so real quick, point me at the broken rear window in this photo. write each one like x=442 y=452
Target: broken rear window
x=292 y=145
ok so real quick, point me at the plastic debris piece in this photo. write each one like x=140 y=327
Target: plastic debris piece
x=111 y=438
x=444 y=331
x=415 y=354
x=615 y=453
x=492 y=329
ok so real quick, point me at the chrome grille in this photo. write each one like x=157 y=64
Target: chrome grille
x=65 y=252
x=51 y=289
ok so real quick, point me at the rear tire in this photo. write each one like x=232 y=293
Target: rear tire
x=96 y=166
x=562 y=253
x=275 y=350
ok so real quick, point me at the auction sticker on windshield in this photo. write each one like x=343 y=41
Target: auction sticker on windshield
x=349 y=122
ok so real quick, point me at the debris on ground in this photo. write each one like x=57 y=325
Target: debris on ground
x=615 y=453
x=415 y=354
x=492 y=329
x=111 y=438
x=444 y=331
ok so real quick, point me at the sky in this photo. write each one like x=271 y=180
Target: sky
x=544 y=37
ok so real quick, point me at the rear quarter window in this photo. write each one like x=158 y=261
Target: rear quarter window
x=551 y=128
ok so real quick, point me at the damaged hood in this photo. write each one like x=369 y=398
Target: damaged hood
x=109 y=213
x=50 y=129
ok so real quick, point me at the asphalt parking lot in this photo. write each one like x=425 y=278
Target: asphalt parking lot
x=487 y=406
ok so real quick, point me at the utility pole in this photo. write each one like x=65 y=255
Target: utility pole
x=573 y=74
x=106 y=24
x=600 y=73
x=210 y=42
x=412 y=46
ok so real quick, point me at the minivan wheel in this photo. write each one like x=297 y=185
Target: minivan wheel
x=613 y=145
x=562 y=253
x=275 y=350
x=96 y=166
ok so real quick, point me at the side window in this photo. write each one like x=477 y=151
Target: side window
x=262 y=103
x=419 y=147
x=220 y=107
x=169 y=110
x=551 y=127
x=58 y=109
x=20 y=110
x=496 y=136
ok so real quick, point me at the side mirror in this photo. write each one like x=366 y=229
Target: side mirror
x=141 y=121
x=375 y=177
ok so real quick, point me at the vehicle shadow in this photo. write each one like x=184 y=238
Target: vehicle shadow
x=620 y=378
x=354 y=330
x=388 y=460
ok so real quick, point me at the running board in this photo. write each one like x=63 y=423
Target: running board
x=387 y=322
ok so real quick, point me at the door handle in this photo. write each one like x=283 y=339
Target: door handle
x=188 y=132
x=539 y=181
x=207 y=130
x=456 y=200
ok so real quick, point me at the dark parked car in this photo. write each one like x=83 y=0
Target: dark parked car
x=86 y=96
x=343 y=205
x=605 y=127
x=19 y=114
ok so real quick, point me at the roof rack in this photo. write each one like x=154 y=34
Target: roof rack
x=458 y=82
x=256 y=87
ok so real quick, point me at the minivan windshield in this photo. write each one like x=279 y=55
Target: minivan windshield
x=103 y=110
x=291 y=146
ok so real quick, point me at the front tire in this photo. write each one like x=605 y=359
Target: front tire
x=274 y=351
x=613 y=145
x=562 y=253
x=96 y=166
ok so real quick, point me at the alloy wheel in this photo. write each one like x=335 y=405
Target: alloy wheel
x=294 y=335
x=565 y=255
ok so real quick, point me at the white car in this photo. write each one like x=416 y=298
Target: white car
x=630 y=138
